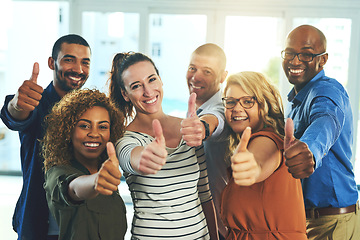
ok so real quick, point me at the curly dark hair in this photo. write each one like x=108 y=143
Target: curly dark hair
x=57 y=148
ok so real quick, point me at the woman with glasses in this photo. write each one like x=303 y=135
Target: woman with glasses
x=262 y=200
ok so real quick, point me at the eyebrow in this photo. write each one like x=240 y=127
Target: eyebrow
x=72 y=56
x=150 y=76
x=69 y=56
x=88 y=121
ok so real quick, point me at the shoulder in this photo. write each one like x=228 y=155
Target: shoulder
x=328 y=87
x=268 y=136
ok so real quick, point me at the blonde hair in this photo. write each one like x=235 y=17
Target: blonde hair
x=267 y=96
x=57 y=148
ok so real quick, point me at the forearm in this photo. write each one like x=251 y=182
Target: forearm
x=83 y=187
x=212 y=121
x=210 y=215
x=16 y=112
x=320 y=139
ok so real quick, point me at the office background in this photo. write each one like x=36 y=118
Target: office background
x=252 y=33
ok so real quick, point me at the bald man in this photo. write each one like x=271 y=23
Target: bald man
x=319 y=150
x=206 y=120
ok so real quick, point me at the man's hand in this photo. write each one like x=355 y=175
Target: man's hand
x=298 y=157
x=245 y=169
x=108 y=177
x=192 y=129
x=153 y=156
x=27 y=97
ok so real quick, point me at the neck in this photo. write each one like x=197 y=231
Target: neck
x=58 y=90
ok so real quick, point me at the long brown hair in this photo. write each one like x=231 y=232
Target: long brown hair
x=121 y=62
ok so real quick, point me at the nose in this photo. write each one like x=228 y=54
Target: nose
x=94 y=133
x=295 y=61
x=147 y=90
x=193 y=76
x=238 y=107
x=77 y=67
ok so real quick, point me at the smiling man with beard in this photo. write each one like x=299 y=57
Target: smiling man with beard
x=24 y=112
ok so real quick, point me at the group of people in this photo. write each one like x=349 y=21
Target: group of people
x=233 y=168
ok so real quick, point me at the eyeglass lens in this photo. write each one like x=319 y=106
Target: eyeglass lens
x=304 y=57
x=245 y=102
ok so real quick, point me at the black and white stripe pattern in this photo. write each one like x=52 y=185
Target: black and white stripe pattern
x=167 y=204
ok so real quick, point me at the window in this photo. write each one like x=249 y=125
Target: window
x=254 y=44
x=108 y=33
x=178 y=36
x=156 y=50
x=25 y=38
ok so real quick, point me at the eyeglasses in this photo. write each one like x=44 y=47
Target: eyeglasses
x=246 y=102
x=304 y=57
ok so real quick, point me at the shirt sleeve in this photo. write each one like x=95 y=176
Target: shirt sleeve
x=326 y=122
x=124 y=146
x=218 y=112
x=203 y=183
x=57 y=180
x=12 y=123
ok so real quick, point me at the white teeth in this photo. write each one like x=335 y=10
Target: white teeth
x=193 y=86
x=296 y=70
x=75 y=78
x=151 y=101
x=239 y=118
x=92 y=144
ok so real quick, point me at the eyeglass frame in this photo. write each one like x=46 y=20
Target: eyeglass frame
x=298 y=56
x=237 y=100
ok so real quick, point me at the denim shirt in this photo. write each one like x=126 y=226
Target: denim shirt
x=323 y=119
x=31 y=214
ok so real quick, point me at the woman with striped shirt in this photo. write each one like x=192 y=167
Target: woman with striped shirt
x=167 y=179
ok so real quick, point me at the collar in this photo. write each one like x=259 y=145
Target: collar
x=299 y=97
x=79 y=166
x=51 y=93
x=211 y=101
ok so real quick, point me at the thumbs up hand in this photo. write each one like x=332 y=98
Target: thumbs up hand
x=153 y=156
x=298 y=157
x=108 y=177
x=192 y=129
x=28 y=95
x=245 y=169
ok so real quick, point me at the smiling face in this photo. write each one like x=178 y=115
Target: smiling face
x=204 y=77
x=143 y=87
x=71 y=68
x=90 y=135
x=304 y=39
x=238 y=117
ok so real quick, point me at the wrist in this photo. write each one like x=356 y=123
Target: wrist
x=207 y=129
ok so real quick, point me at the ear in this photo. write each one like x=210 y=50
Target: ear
x=223 y=76
x=124 y=94
x=51 y=63
x=323 y=60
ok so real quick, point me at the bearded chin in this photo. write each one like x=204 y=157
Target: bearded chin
x=62 y=82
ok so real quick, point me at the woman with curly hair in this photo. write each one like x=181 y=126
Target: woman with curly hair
x=262 y=200
x=81 y=168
